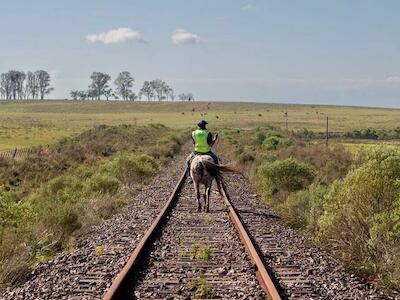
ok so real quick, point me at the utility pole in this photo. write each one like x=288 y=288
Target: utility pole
x=286 y=122
x=327 y=130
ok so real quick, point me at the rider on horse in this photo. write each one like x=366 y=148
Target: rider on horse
x=203 y=141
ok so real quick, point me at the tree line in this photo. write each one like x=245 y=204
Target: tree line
x=18 y=85
x=151 y=90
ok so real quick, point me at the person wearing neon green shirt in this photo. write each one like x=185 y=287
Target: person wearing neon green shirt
x=203 y=141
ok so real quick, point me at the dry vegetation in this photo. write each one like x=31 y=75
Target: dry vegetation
x=346 y=196
x=349 y=203
x=54 y=193
x=31 y=123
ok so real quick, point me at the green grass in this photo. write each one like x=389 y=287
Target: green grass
x=46 y=199
x=368 y=145
x=31 y=123
x=201 y=288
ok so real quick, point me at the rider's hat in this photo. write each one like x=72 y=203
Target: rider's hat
x=202 y=123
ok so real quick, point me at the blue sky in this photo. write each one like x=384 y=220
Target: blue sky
x=304 y=51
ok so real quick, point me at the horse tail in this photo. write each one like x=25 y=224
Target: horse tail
x=216 y=170
x=201 y=170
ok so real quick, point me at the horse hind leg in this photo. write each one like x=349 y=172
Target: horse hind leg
x=205 y=202
x=219 y=185
x=207 y=197
x=198 y=196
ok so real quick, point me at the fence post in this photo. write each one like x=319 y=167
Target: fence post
x=327 y=130
x=15 y=153
x=286 y=122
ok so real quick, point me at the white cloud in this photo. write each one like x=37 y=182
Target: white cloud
x=114 y=36
x=248 y=6
x=393 y=79
x=181 y=36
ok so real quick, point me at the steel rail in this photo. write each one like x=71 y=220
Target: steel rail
x=261 y=272
x=118 y=287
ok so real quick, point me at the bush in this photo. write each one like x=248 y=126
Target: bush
x=47 y=197
x=103 y=183
x=287 y=175
x=15 y=220
x=331 y=163
x=362 y=215
x=260 y=137
x=303 y=209
x=128 y=167
x=273 y=142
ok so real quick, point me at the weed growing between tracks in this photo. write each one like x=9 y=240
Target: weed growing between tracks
x=57 y=192
x=349 y=203
x=199 y=252
x=201 y=288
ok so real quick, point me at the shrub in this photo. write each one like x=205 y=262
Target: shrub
x=103 y=183
x=128 y=167
x=303 y=209
x=273 y=142
x=260 y=137
x=287 y=175
x=331 y=163
x=15 y=221
x=52 y=193
x=361 y=218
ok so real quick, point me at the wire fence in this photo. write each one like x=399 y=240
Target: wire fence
x=16 y=154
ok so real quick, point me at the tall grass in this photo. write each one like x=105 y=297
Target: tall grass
x=347 y=202
x=54 y=193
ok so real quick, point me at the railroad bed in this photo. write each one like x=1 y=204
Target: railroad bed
x=198 y=254
x=194 y=251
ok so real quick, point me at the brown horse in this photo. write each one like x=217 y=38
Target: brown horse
x=203 y=170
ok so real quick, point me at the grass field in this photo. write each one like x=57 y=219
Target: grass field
x=30 y=123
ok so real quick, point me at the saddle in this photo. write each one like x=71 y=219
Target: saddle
x=199 y=153
x=211 y=154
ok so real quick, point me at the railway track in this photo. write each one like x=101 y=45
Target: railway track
x=190 y=251
x=185 y=254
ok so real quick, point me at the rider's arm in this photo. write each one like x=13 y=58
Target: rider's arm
x=209 y=138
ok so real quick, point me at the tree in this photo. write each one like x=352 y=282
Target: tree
x=170 y=93
x=159 y=87
x=124 y=83
x=91 y=94
x=43 y=80
x=5 y=85
x=83 y=95
x=74 y=95
x=108 y=93
x=16 y=84
x=186 y=97
x=132 y=97
x=156 y=89
x=19 y=85
x=147 y=90
x=99 y=83
x=190 y=97
x=32 y=86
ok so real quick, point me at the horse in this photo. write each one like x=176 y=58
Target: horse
x=203 y=170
